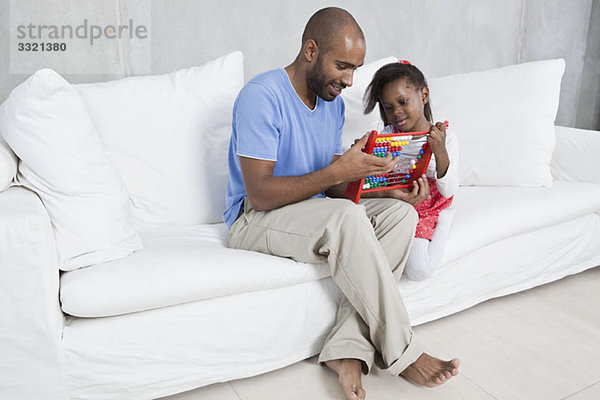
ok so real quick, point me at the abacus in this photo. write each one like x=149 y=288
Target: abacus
x=407 y=170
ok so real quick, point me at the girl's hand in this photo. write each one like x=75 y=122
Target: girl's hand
x=420 y=192
x=358 y=140
x=437 y=139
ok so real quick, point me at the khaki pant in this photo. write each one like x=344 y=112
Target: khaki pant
x=366 y=247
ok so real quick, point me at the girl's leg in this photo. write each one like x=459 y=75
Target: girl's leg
x=425 y=255
x=417 y=265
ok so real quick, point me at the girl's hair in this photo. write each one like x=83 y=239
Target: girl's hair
x=389 y=73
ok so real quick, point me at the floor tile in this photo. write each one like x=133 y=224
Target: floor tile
x=218 y=391
x=308 y=380
x=381 y=386
x=303 y=380
x=539 y=344
x=527 y=345
x=590 y=393
x=560 y=295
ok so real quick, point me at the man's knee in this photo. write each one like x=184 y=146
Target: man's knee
x=349 y=215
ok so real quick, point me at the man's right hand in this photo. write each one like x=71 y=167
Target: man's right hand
x=267 y=192
x=356 y=164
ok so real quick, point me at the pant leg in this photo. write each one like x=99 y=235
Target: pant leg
x=394 y=225
x=340 y=233
x=387 y=218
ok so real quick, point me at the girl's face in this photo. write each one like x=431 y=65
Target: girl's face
x=404 y=105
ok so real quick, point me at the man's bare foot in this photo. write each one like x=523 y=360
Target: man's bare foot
x=430 y=371
x=349 y=377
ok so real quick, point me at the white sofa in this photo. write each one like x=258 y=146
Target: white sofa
x=185 y=311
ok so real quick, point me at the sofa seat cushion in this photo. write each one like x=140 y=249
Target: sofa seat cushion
x=185 y=264
x=177 y=265
x=485 y=215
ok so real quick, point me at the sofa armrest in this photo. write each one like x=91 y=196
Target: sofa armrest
x=575 y=156
x=31 y=321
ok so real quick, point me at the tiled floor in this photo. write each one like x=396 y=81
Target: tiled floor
x=540 y=344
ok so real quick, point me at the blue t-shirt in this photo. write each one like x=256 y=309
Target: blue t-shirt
x=270 y=122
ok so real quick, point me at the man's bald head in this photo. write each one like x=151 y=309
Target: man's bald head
x=328 y=26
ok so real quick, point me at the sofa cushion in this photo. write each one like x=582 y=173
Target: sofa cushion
x=8 y=165
x=168 y=136
x=485 y=215
x=185 y=264
x=504 y=120
x=576 y=158
x=46 y=124
x=177 y=265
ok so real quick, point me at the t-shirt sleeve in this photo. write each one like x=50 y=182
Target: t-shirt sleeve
x=257 y=120
x=338 y=144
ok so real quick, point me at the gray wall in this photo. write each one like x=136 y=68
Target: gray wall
x=588 y=112
x=440 y=36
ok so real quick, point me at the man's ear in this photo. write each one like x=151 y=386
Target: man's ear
x=425 y=95
x=310 y=50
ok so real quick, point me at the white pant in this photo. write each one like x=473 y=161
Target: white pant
x=425 y=255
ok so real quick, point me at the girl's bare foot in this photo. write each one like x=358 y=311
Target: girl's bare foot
x=430 y=371
x=349 y=377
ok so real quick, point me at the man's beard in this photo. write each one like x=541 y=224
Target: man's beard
x=317 y=83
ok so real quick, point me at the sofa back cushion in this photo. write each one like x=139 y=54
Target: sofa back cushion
x=168 y=136
x=504 y=120
x=47 y=125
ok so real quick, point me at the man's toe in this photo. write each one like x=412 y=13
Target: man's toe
x=361 y=394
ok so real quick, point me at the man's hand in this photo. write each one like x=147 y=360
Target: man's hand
x=356 y=141
x=356 y=164
x=419 y=192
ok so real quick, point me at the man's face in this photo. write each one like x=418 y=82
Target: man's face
x=333 y=71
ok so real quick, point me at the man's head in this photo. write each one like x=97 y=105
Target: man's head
x=333 y=46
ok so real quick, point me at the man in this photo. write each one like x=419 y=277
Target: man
x=284 y=158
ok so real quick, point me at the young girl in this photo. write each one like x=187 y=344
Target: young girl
x=401 y=91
